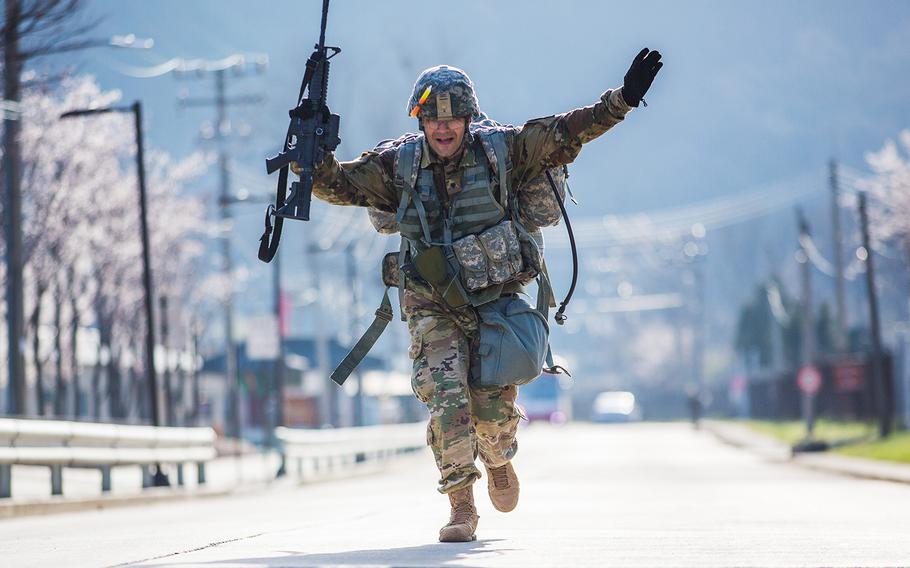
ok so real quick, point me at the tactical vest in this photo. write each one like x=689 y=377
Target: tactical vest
x=484 y=207
x=481 y=202
x=478 y=229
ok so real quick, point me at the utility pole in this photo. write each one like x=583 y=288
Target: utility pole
x=280 y=329
x=808 y=329
x=698 y=337
x=840 y=334
x=354 y=328
x=328 y=407
x=278 y=383
x=221 y=102
x=279 y=359
x=194 y=370
x=694 y=257
x=224 y=210
x=882 y=386
x=12 y=207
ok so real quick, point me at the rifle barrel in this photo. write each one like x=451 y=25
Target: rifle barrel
x=325 y=17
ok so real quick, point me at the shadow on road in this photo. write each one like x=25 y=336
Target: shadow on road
x=437 y=554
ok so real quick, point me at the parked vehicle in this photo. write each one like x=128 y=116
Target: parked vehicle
x=615 y=406
x=545 y=399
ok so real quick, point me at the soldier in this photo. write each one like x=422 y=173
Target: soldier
x=454 y=194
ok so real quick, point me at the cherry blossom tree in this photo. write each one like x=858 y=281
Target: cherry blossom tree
x=890 y=189
x=81 y=242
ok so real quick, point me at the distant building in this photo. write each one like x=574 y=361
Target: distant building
x=387 y=394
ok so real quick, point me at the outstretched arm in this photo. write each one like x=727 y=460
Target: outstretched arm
x=556 y=140
x=365 y=182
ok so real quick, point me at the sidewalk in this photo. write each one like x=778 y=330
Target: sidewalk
x=82 y=486
x=744 y=437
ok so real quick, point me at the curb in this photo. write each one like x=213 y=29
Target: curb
x=148 y=496
x=155 y=495
x=18 y=509
x=742 y=437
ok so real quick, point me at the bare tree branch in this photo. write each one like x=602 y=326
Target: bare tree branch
x=47 y=27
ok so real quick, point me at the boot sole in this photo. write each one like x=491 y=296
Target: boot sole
x=502 y=510
x=473 y=538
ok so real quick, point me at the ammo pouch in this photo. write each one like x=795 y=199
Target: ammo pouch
x=512 y=347
x=489 y=258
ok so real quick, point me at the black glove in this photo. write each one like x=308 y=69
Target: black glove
x=640 y=75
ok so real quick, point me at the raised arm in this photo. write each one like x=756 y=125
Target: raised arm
x=557 y=140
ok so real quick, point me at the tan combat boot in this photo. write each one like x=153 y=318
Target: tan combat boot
x=502 y=484
x=463 y=520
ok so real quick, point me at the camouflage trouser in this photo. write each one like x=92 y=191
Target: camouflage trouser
x=464 y=421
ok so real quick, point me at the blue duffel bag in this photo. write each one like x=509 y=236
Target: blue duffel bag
x=513 y=343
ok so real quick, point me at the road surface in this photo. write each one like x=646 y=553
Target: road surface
x=592 y=495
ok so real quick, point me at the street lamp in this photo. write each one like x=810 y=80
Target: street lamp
x=160 y=479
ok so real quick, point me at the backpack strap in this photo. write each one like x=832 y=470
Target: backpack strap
x=496 y=149
x=407 y=168
x=383 y=316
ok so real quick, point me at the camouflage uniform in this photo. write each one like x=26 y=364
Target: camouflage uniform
x=464 y=421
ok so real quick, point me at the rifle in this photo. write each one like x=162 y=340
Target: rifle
x=312 y=133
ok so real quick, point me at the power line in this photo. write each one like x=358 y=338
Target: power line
x=200 y=67
x=671 y=224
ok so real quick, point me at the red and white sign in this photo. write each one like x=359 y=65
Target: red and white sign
x=809 y=379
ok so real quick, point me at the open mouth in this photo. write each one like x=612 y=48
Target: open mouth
x=445 y=141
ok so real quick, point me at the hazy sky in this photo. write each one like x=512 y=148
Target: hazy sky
x=751 y=92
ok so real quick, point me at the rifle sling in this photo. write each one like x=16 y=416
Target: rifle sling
x=268 y=247
x=365 y=343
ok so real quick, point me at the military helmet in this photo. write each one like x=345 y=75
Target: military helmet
x=443 y=92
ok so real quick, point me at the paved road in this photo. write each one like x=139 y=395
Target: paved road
x=639 y=495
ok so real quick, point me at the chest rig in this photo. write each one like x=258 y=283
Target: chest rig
x=475 y=236
x=471 y=236
x=423 y=218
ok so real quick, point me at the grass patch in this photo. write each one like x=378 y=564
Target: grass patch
x=895 y=448
x=793 y=431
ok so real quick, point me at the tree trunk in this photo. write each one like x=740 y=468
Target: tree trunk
x=12 y=212
x=35 y=322
x=60 y=391
x=96 y=385
x=74 y=352
x=114 y=383
x=134 y=410
x=103 y=334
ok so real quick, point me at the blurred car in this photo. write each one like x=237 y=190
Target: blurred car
x=615 y=406
x=545 y=399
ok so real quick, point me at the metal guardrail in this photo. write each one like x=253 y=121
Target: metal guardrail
x=59 y=444
x=325 y=451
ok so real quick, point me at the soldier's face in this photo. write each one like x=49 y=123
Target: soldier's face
x=444 y=136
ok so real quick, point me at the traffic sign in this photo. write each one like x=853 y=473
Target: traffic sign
x=809 y=379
